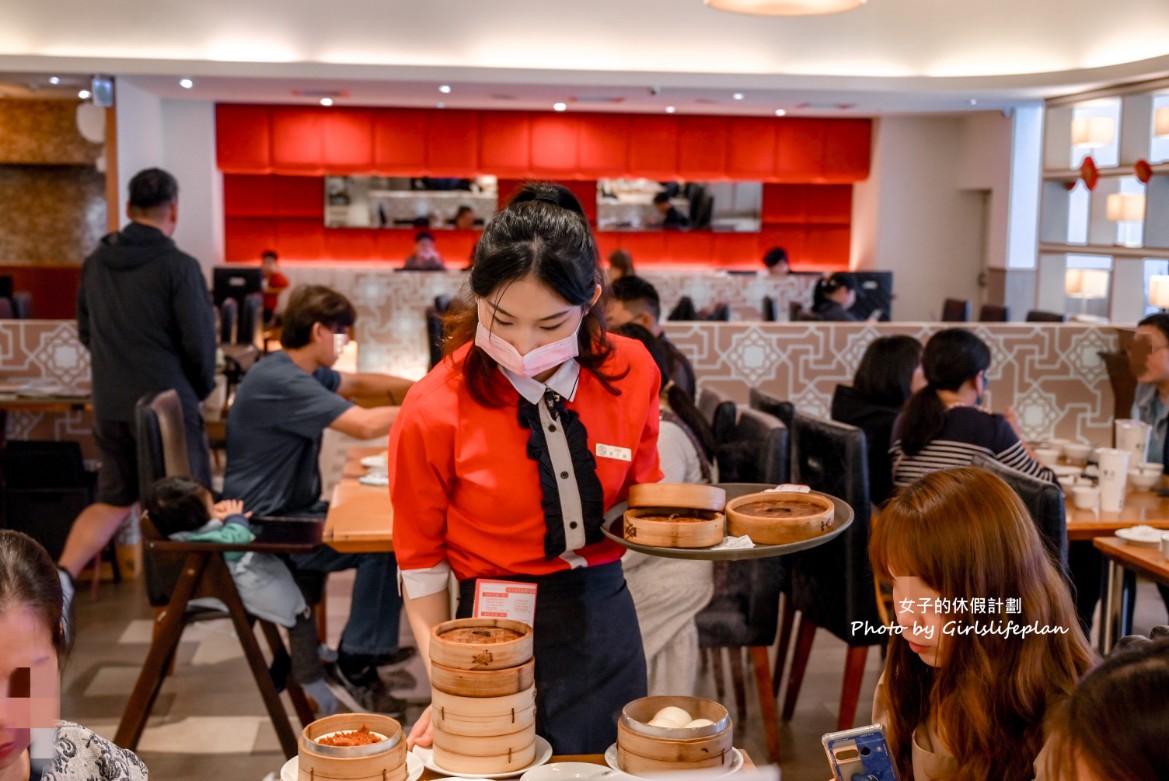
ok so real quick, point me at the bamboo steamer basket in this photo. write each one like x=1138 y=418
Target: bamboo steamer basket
x=483 y=683
x=655 y=527
x=506 y=762
x=483 y=716
x=469 y=655
x=679 y=496
x=768 y=529
x=485 y=745
x=645 y=748
x=384 y=761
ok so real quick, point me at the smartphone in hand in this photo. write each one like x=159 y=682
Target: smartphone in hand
x=860 y=754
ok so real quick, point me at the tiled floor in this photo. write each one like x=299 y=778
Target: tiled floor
x=209 y=721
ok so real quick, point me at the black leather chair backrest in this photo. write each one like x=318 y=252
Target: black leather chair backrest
x=7 y=312
x=720 y=411
x=994 y=313
x=956 y=310
x=770 y=313
x=683 y=310
x=228 y=321
x=1039 y=316
x=162 y=452
x=22 y=305
x=721 y=313
x=441 y=302
x=757 y=451
x=833 y=584
x=1046 y=503
x=250 y=319
x=765 y=402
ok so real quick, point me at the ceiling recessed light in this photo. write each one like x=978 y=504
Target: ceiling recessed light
x=780 y=112
x=973 y=102
x=440 y=105
x=737 y=96
x=54 y=80
x=670 y=109
x=560 y=106
x=326 y=101
x=444 y=89
x=186 y=83
x=84 y=94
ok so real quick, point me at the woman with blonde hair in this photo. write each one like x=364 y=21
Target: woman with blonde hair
x=987 y=639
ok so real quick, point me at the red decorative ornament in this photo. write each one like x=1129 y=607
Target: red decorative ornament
x=1089 y=172
x=1144 y=170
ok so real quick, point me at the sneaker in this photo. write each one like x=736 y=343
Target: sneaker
x=402 y=656
x=364 y=694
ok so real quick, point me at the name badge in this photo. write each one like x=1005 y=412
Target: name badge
x=505 y=599
x=614 y=452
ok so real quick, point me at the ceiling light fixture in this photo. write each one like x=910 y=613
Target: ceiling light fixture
x=779 y=112
x=444 y=89
x=186 y=83
x=54 y=80
x=560 y=106
x=784 y=7
x=440 y=105
x=670 y=109
x=737 y=96
x=84 y=94
x=326 y=102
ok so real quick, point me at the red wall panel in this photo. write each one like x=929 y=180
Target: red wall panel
x=248 y=195
x=682 y=247
x=243 y=138
x=297 y=143
x=351 y=244
x=246 y=238
x=736 y=249
x=799 y=150
x=603 y=150
x=555 y=145
x=505 y=143
x=653 y=147
x=452 y=147
x=848 y=147
x=347 y=140
x=53 y=288
x=702 y=147
x=399 y=140
x=300 y=239
x=300 y=196
x=751 y=142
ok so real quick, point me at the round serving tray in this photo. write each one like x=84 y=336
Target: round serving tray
x=614 y=529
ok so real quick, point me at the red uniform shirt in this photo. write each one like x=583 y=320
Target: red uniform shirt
x=464 y=490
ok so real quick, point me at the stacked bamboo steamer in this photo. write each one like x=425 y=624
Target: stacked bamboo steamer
x=650 y=740
x=675 y=515
x=483 y=695
x=384 y=760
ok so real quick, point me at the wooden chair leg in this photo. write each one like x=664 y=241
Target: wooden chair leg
x=322 y=615
x=295 y=692
x=787 y=618
x=795 y=678
x=736 y=656
x=767 y=709
x=716 y=663
x=850 y=691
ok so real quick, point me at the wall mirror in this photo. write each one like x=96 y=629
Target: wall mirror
x=646 y=204
x=410 y=202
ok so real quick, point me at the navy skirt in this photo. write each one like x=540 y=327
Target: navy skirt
x=589 y=657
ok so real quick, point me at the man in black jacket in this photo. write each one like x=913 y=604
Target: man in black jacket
x=144 y=313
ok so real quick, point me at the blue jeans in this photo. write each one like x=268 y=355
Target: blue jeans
x=372 y=628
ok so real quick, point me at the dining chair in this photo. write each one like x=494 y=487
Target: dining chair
x=994 y=313
x=178 y=572
x=22 y=305
x=794 y=310
x=228 y=321
x=956 y=310
x=770 y=313
x=720 y=313
x=1039 y=316
x=1045 y=502
x=720 y=411
x=683 y=310
x=832 y=585
x=251 y=320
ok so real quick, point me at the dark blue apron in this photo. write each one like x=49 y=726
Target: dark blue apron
x=589 y=657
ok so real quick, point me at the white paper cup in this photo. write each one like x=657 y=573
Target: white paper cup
x=1133 y=436
x=1113 y=474
x=1085 y=496
x=1047 y=455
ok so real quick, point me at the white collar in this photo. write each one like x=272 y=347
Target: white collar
x=563 y=381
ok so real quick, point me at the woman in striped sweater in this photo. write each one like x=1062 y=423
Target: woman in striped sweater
x=944 y=425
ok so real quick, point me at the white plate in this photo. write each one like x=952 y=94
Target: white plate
x=564 y=771
x=374 y=479
x=1145 y=536
x=291 y=769
x=375 y=462
x=736 y=763
x=543 y=754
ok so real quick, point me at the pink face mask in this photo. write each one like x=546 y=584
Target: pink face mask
x=540 y=360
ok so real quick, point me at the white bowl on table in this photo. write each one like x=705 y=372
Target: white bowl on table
x=1077 y=451
x=1058 y=444
x=1046 y=455
x=1143 y=481
x=1086 y=497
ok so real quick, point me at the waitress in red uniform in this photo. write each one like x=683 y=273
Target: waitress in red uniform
x=505 y=457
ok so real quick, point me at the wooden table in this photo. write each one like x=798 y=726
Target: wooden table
x=12 y=400
x=593 y=759
x=1149 y=562
x=360 y=518
x=1145 y=507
